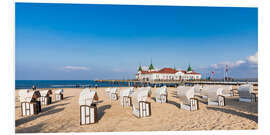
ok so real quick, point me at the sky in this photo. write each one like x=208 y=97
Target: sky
x=86 y=41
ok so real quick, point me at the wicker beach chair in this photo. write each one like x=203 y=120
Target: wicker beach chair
x=140 y=107
x=88 y=109
x=215 y=96
x=125 y=97
x=246 y=93
x=187 y=100
x=59 y=94
x=161 y=95
x=30 y=104
x=45 y=97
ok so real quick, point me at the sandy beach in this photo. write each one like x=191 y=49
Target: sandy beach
x=63 y=116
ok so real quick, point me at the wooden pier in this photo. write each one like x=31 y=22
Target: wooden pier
x=169 y=83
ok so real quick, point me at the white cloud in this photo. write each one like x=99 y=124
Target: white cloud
x=70 y=68
x=240 y=68
x=253 y=58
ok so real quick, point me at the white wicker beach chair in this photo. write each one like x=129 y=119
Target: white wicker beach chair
x=59 y=94
x=187 y=100
x=29 y=102
x=215 y=96
x=113 y=94
x=45 y=97
x=140 y=107
x=246 y=93
x=88 y=109
x=125 y=96
x=161 y=95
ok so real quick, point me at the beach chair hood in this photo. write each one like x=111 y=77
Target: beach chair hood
x=185 y=93
x=197 y=88
x=45 y=93
x=59 y=91
x=245 y=90
x=28 y=96
x=214 y=92
x=160 y=91
x=87 y=97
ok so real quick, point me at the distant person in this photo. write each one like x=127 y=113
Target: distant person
x=34 y=87
x=96 y=86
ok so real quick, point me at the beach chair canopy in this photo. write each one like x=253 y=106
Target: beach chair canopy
x=59 y=91
x=245 y=90
x=197 y=88
x=204 y=90
x=140 y=95
x=214 y=92
x=45 y=93
x=28 y=96
x=113 y=90
x=227 y=89
x=185 y=93
x=160 y=91
x=87 y=97
x=126 y=92
x=108 y=90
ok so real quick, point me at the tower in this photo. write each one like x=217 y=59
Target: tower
x=140 y=68
x=151 y=67
x=189 y=68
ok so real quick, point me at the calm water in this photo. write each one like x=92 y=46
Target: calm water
x=25 y=84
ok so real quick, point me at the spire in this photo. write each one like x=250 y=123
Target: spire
x=140 y=68
x=151 y=67
x=189 y=68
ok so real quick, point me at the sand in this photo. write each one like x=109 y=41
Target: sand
x=63 y=116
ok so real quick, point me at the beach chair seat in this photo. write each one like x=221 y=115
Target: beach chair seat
x=88 y=114
x=162 y=98
x=30 y=108
x=45 y=100
x=144 y=109
x=126 y=101
x=88 y=109
x=246 y=93
x=192 y=106
x=215 y=96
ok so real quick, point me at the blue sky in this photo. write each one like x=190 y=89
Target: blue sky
x=82 y=41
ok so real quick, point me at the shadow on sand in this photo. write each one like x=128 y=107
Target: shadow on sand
x=44 y=112
x=244 y=115
x=101 y=111
x=173 y=103
x=32 y=129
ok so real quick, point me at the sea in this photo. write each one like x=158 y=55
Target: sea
x=27 y=84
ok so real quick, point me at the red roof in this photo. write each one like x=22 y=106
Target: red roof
x=167 y=71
